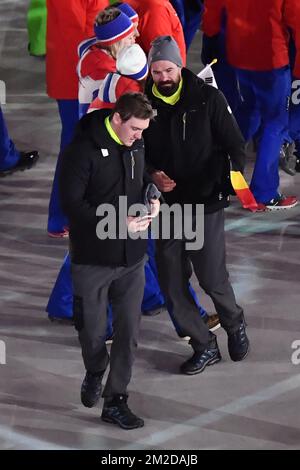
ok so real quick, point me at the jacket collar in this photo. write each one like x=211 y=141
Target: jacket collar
x=191 y=84
x=92 y=126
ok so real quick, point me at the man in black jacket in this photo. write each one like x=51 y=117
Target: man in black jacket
x=190 y=147
x=105 y=161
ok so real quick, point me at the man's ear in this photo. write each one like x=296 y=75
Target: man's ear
x=116 y=119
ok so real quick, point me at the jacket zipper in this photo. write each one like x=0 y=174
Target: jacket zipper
x=184 y=125
x=132 y=165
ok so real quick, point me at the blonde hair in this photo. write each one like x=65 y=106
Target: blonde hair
x=117 y=47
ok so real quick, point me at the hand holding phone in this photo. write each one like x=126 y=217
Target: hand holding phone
x=148 y=216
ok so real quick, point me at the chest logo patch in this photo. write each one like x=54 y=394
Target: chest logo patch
x=104 y=152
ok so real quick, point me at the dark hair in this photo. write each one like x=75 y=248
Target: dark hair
x=133 y=105
x=107 y=15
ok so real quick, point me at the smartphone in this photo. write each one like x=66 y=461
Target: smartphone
x=148 y=216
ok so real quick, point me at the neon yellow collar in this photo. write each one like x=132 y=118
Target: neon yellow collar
x=168 y=99
x=111 y=131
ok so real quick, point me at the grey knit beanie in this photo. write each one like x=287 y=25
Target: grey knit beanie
x=164 y=48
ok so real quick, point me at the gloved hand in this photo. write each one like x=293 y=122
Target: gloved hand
x=151 y=193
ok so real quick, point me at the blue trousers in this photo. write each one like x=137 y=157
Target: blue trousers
x=83 y=107
x=9 y=155
x=226 y=79
x=189 y=13
x=264 y=107
x=68 y=111
x=225 y=75
x=193 y=15
x=60 y=304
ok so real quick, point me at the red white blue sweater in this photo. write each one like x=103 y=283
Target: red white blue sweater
x=93 y=66
x=112 y=87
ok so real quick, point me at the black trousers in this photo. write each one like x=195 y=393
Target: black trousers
x=94 y=287
x=175 y=265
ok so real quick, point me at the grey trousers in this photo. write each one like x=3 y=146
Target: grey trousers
x=94 y=287
x=175 y=266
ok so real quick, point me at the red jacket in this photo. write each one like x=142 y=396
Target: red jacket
x=158 y=18
x=257 y=31
x=68 y=23
x=95 y=63
x=93 y=66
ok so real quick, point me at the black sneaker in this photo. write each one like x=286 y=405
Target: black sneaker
x=238 y=344
x=27 y=161
x=91 y=389
x=200 y=360
x=116 y=411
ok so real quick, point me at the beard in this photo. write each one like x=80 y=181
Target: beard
x=167 y=88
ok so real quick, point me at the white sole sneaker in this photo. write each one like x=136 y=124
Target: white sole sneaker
x=216 y=327
x=281 y=208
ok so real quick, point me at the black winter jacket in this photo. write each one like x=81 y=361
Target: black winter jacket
x=90 y=177
x=195 y=142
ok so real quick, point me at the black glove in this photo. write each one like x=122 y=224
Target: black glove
x=151 y=192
